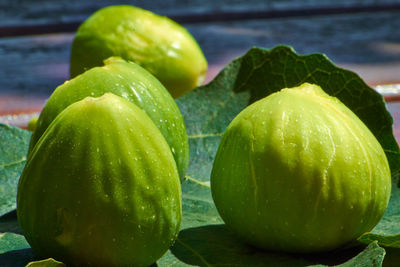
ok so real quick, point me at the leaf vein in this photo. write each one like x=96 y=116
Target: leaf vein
x=194 y=180
x=193 y=252
x=198 y=136
x=13 y=162
x=189 y=197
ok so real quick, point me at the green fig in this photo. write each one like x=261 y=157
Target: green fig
x=298 y=171
x=32 y=124
x=128 y=80
x=158 y=44
x=100 y=188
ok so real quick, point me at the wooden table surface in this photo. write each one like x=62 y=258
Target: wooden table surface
x=364 y=36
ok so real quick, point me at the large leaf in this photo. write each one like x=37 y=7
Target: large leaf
x=203 y=239
x=13 y=147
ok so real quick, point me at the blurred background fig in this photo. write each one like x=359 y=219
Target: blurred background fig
x=132 y=82
x=32 y=124
x=298 y=171
x=100 y=187
x=160 y=45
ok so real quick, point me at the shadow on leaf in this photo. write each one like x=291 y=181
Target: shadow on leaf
x=392 y=258
x=9 y=223
x=215 y=245
x=20 y=257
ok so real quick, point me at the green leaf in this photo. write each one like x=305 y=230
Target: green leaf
x=13 y=148
x=46 y=263
x=215 y=245
x=207 y=111
x=385 y=241
x=198 y=207
x=372 y=256
x=11 y=241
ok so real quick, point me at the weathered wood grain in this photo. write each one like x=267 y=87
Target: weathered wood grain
x=26 y=12
x=33 y=66
x=369 y=42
